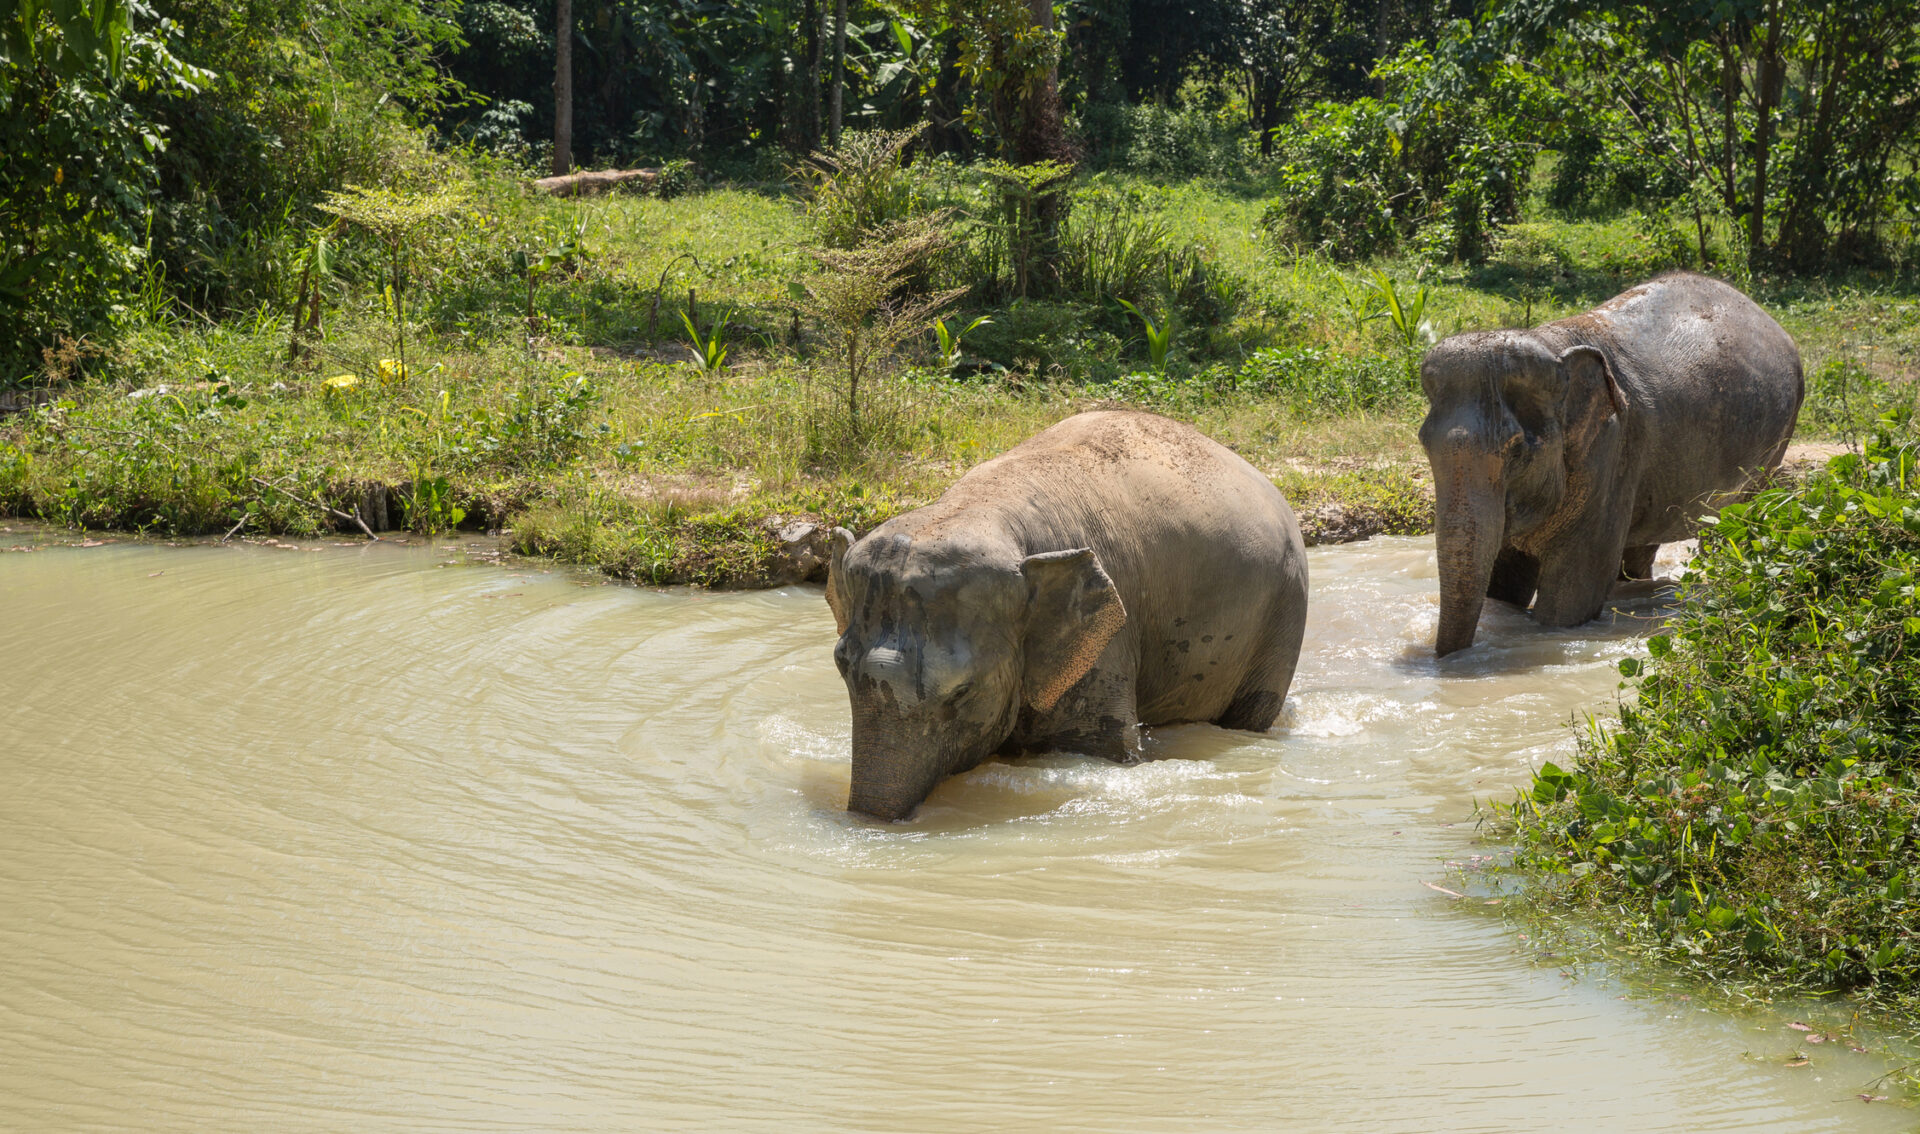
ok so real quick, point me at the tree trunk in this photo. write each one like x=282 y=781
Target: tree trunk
x=839 y=68
x=1769 y=80
x=809 y=110
x=1804 y=236
x=1041 y=135
x=562 y=87
x=1041 y=132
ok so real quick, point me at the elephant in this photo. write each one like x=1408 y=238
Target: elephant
x=1118 y=569
x=1564 y=455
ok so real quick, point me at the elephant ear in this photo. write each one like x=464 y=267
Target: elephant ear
x=1593 y=394
x=837 y=598
x=1073 y=611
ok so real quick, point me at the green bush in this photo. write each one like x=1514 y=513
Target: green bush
x=1756 y=810
x=1596 y=172
x=77 y=161
x=1049 y=338
x=1443 y=163
x=862 y=186
x=1111 y=247
x=1342 y=190
x=1184 y=141
x=1314 y=379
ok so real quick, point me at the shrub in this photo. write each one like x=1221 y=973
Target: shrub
x=1315 y=380
x=1185 y=141
x=1596 y=173
x=1341 y=185
x=861 y=297
x=76 y=167
x=1446 y=160
x=861 y=186
x=1111 y=247
x=1048 y=337
x=1756 y=810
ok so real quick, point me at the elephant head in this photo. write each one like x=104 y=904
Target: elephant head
x=1512 y=432
x=942 y=646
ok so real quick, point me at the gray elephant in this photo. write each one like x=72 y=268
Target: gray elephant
x=1115 y=570
x=1565 y=455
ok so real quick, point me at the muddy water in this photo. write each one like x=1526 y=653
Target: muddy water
x=377 y=839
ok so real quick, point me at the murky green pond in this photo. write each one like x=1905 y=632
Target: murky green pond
x=378 y=839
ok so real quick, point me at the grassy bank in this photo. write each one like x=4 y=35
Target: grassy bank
x=1754 y=816
x=549 y=385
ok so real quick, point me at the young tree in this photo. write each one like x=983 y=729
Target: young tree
x=1010 y=53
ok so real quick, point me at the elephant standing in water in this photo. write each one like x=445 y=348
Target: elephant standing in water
x=1565 y=455
x=1117 y=569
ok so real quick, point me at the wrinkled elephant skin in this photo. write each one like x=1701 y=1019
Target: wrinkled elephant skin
x=1115 y=570
x=1565 y=455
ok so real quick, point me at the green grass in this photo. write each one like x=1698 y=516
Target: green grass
x=589 y=434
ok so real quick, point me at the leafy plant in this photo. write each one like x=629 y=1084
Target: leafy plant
x=316 y=272
x=950 y=340
x=710 y=350
x=1110 y=247
x=1846 y=400
x=860 y=296
x=1028 y=208
x=1405 y=315
x=429 y=505
x=1356 y=303
x=562 y=254
x=860 y=186
x=1159 y=335
x=78 y=158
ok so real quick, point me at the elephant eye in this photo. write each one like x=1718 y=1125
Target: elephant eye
x=961 y=690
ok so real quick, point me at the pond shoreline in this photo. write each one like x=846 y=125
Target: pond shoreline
x=750 y=549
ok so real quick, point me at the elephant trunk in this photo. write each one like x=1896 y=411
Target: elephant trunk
x=1470 y=505
x=887 y=782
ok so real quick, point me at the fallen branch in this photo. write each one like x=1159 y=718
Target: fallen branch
x=595 y=181
x=1442 y=889
x=332 y=511
x=244 y=517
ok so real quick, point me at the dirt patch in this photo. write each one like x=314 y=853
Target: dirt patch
x=1805 y=455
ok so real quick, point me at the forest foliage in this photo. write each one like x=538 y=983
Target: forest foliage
x=174 y=154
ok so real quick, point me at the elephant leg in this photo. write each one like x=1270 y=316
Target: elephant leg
x=1637 y=563
x=1515 y=576
x=1253 y=710
x=1576 y=576
x=1257 y=703
x=1096 y=717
